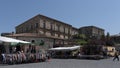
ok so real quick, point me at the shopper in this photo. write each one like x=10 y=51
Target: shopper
x=1 y=57
x=116 y=56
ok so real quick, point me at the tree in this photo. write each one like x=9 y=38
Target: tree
x=80 y=39
x=79 y=36
x=103 y=40
x=108 y=41
x=108 y=36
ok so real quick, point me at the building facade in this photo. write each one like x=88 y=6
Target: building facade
x=115 y=38
x=52 y=32
x=91 y=31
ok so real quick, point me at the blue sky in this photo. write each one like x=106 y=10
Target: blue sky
x=101 y=13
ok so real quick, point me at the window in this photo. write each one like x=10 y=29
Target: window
x=58 y=35
x=64 y=29
x=52 y=33
x=31 y=27
x=36 y=25
x=33 y=41
x=68 y=31
x=58 y=27
x=51 y=26
x=44 y=24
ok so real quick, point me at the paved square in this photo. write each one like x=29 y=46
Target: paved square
x=69 y=63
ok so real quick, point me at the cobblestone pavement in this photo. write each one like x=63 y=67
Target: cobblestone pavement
x=69 y=63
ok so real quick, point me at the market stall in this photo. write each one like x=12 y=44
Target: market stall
x=7 y=43
x=64 y=52
x=14 y=51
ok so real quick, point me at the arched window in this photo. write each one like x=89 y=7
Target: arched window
x=33 y=41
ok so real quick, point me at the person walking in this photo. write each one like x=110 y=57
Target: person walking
x=1 y=57
x=116 y=56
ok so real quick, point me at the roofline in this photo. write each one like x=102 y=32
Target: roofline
x=26 y=21
x=39 y=15
x=93 y=27
x=54 y=19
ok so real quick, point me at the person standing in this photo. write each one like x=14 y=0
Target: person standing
x=116 y=56
x=1 y=57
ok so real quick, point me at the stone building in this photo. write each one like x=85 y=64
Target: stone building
x=115 y=38
x=44 y=29
x=91 y=31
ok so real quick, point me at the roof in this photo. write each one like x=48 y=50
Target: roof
x=92 y=27
x=39 y=15
x=54 y=19
x=116 y=35
x=11 y=40
x=65 y=48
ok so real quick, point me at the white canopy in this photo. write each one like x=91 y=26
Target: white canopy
x=11 y=40
x=65 y=48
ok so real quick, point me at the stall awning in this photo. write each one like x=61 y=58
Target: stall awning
x=65 y=48
x=12 y=40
